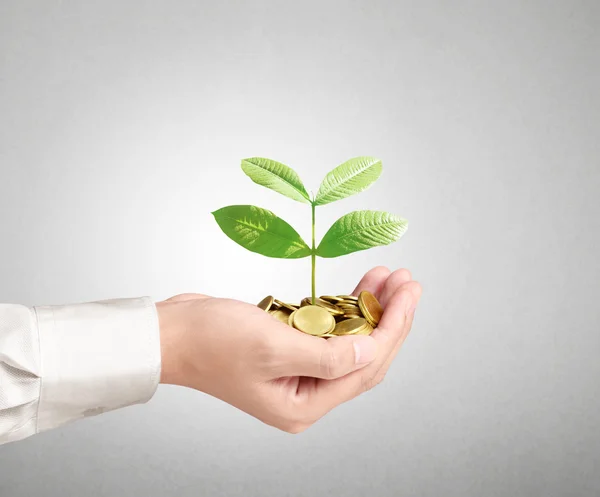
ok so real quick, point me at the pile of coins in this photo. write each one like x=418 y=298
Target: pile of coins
x=329 y=316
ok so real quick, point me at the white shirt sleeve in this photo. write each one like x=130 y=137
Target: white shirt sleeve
x=62 y=363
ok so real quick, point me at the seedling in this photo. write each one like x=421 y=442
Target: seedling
x=261 y=231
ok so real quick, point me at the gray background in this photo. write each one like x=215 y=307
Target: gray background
x=122 y=125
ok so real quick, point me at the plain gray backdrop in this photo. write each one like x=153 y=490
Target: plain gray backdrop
x=122 y=126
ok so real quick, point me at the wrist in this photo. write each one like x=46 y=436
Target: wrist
x=169 y=344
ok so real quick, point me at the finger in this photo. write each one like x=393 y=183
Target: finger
x=395 y=281
x=391 y=326
x=386 y=335
x=417 y=290
x=327 y=359
x=373 y=280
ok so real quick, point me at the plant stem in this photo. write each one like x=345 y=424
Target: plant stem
x=313 y=254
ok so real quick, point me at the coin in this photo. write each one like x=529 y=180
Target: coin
x=350 y=326
x=351 y=298
x=314 y=320
x=266 y=303
x=344 y=305
x=305 y=301
x=329 y=307
x=370 y=307
x=290 y=307
x=291 y=318
x=281 y=315
x=367 y=330
x=331 y=298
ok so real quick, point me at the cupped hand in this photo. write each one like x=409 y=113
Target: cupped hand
x=242 y=355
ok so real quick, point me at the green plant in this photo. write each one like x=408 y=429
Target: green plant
x=261 y=231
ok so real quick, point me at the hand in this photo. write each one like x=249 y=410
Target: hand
x=240 y=354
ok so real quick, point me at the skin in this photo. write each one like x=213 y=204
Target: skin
x=236 y=352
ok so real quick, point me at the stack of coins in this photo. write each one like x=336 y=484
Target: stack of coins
x=330 y=315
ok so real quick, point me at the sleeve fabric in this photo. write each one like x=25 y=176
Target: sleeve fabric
x=62 y=363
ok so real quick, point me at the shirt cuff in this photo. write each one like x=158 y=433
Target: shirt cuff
x=96 y=357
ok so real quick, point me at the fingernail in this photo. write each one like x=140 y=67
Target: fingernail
x=365 y=350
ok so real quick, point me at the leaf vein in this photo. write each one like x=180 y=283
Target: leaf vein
x=301 y=244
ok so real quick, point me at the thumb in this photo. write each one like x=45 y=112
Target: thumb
x=332 y=358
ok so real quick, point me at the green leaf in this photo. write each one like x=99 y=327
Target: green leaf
x=360 y=230
x=261 y=231
x=351 y=177
x=276 y=176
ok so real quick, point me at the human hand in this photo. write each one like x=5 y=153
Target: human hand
x=240 y=354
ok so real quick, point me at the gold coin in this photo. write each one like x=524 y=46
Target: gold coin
x=331 y=298
x=350 y=315
x=370 y=307
x=266 y=303
x=351 y=298
x=349 y=326
x=344 y=305
x=281 y=315
x=305 y=301
x=367 y=330
x=329 y=307
x=290 y=307
x=291 y=318
x=314 y=320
